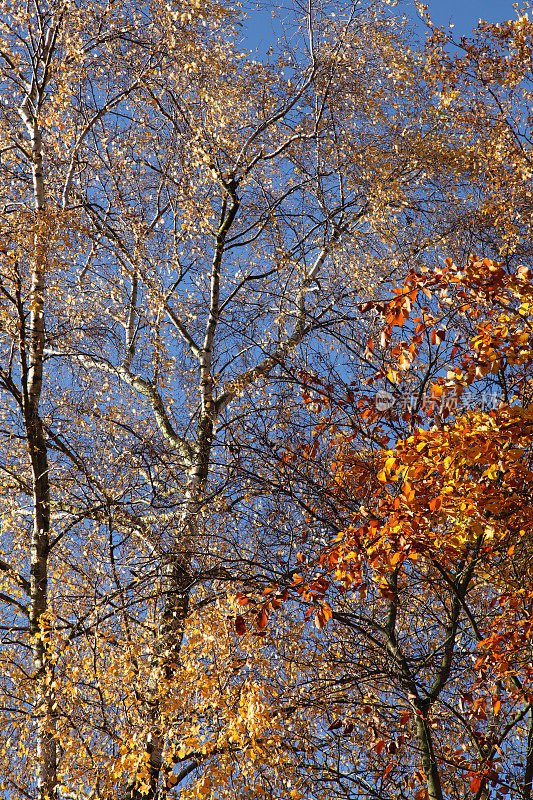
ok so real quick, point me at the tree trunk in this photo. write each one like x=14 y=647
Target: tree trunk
x=176 y=585
x=31 y=353
x=425 y=743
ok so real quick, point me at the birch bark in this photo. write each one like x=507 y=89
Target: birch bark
x=32 y=355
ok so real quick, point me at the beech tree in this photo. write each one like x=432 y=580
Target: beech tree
x=430 y=577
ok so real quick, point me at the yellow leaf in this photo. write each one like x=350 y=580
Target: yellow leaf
x=203 y=787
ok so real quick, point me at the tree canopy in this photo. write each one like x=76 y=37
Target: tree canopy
x=266 y=405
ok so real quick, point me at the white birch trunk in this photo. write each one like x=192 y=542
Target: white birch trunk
x=32 y=353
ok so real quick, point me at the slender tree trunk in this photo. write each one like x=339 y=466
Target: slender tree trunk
x=176 y=584
x=31 y=353
x=44 y=702
x=528 y=776
x=427 y=754
x=40 y=540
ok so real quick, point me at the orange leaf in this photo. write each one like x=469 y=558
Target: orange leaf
x=262 y=619
x=435 y=504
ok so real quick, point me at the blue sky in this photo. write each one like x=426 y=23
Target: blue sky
x=465 y=14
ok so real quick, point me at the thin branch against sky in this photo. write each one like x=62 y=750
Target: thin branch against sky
x=259 y=29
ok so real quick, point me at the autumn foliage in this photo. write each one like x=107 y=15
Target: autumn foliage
x=428 y=581
x=265 y=433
